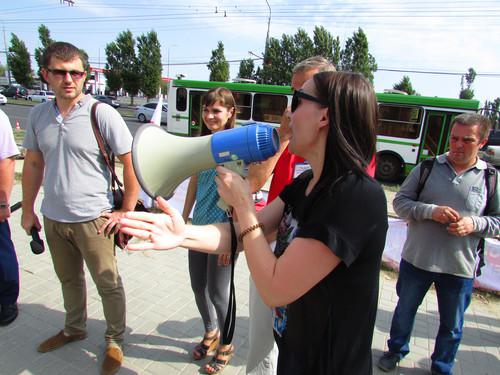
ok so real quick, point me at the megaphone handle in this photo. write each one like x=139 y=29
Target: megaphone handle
x=239 y=167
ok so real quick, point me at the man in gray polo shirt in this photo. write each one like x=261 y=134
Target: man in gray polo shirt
x=62 y=152
x=445 y=223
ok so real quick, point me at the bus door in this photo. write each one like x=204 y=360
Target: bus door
x=195 y=112
x=436 y=131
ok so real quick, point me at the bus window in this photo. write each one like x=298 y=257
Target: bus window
x=243 y=105
x=398 y=121
x=268 y=107
x=181 y=99
x=434 y=144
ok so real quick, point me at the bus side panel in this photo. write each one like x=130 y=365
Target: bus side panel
x=178 y=111
x=407 y=150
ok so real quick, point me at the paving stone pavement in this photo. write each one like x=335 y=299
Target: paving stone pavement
x=163 y=323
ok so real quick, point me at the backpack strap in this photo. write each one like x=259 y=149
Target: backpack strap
x=490 y=181
x=425 y=170
x=109 y=160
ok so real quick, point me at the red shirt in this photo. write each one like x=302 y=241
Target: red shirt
x=283 y=173
x=284 y=170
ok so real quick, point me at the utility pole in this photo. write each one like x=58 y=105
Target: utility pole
x=268 y=27
x=6 y=56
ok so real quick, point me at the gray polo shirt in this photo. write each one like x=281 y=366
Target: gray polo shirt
x=428 y=245
x=76 y=180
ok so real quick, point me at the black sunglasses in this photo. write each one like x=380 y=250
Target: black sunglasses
x=300 y=94
x=75 y=74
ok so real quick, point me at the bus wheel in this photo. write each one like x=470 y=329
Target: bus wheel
x=389 y=168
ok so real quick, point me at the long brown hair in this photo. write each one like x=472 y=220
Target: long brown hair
x=353 y=116
x=225 y=98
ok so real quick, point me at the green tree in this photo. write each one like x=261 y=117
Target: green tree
x=113 y=68
x=130 y=71
x=405 y=85
x=282 y=55
x=326 y=45
x=356 y=57
x=45 y=40
x=149 y=60
x=218 y=65
x=466 y=82
x=20 y=62
x=3 y=69
x=492 y=111
x=247 y=67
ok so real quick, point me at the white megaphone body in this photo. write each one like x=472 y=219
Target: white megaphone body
x=162 y=160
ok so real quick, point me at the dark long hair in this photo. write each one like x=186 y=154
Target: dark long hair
x=353 y=116
x=226 y=99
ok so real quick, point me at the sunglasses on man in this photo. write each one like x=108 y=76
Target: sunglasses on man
x=300 y=94
x=75 y=74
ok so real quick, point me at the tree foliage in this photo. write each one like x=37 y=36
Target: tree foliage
x=149 y=60
x=3 y=69
x=405 y=85
x=130 y=72
x=466 y=82
x=218 y=65
x=355 y=56
x=247 y=67
x=20 y=62
x=113 y=67
x=326 y=45
x=283 y=54
x=492 y=111
x=45 y=40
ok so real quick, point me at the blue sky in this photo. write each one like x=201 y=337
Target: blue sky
x=415 y=35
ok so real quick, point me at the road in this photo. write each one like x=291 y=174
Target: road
x=20 y=113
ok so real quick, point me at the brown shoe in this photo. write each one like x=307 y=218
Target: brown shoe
x=55 y=342
x=113 y=359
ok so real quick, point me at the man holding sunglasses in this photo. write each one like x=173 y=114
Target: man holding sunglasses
x=62 y=152
x=262 y=354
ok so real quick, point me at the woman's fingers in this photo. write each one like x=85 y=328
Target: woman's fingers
x=129 y=223
x=139 y=233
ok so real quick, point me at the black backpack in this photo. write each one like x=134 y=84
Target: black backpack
x=490 y=180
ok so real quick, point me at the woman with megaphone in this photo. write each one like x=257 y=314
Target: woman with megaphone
x=322 y=279
x=210 y=273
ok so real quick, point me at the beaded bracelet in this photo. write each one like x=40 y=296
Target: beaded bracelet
x=249 y=229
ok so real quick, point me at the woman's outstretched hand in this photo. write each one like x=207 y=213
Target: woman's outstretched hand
x=163 y=231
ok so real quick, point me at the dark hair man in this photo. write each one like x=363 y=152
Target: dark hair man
x=450 y=210
x=62 y=152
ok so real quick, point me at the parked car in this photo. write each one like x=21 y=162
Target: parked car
x=3 y=99
x=145 y=112
x=16 y=92
x=41 y=96
x=491 y=151
x=108 y=100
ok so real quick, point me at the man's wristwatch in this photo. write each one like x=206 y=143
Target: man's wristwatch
x=4 y=206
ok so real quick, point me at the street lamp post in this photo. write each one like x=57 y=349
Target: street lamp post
x=168 y=57
x=268 y=27
x=6 y=56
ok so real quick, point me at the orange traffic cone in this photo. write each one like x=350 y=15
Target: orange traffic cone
x=18 y=127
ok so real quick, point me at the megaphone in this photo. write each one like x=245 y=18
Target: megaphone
x=162 y=160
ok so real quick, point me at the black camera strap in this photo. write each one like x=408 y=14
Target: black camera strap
x=229 y=324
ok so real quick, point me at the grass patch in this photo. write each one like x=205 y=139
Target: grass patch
x=27 y=103
x=19 y=135
x=126 y=112
x=391 y=187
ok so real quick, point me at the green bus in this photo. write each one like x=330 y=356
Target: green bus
x=411 y=128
